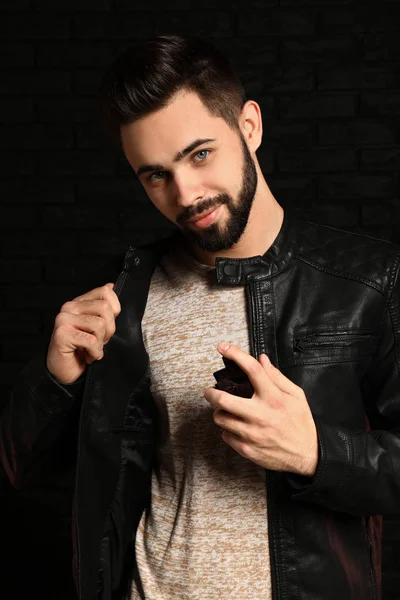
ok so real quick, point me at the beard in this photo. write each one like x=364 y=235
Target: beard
x=217 y=237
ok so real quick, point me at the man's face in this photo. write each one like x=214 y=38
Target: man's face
x=219 y=173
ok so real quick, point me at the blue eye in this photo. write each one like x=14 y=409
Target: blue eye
x=200 y=151
x=150 y=178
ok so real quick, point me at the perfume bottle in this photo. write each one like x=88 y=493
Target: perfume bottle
x=233 y=379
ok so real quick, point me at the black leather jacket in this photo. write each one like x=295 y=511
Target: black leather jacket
x=324 y=305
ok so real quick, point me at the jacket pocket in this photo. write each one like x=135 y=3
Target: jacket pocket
x=333 y=345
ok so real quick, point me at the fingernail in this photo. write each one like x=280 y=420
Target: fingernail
x=267 y=360
x=223 y=347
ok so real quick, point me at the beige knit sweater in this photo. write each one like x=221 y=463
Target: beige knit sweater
x=206 y=535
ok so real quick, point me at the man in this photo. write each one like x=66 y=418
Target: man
x=271 y=483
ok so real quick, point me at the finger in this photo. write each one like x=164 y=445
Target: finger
x=235 y=405
x=105 y=292
x=98 y=308
x=253 y=369
x=237 y=443
x=70 y=339
x=89 y=323
x=278 y=378
x=230 y=423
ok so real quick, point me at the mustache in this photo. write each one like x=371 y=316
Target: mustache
x=206 y=207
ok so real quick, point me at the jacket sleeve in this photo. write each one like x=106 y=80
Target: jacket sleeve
x=358 y=471
x=38 y=426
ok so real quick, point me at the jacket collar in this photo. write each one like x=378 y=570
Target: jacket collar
x=229 y=271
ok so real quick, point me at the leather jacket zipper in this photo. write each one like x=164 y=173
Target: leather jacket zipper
x=371 y=558
x=337 y=340
x=256 y=321
x=77 y=488
x=117 y=289
x=275 y=582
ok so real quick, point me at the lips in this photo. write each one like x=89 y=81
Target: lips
x=198 y=217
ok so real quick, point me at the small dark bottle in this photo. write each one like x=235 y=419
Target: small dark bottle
x=233 y=379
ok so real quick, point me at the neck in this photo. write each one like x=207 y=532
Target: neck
x=264 y=224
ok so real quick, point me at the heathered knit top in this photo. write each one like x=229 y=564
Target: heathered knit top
x=206 y=535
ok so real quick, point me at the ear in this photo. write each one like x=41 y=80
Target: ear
x=251 y=125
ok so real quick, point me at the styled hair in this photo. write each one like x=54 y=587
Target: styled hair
x=148 y=74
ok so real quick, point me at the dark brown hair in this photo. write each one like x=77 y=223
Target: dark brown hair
x=147 y=75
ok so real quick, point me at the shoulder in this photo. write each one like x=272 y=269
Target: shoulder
x=350 y=254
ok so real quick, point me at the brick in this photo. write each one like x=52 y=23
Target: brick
x=74 y=54
x=320 y=51
x=294 y=78
x=357 y=186
x=39 y=244
x=316 y=160
x=72 y=5
x=291 y=190
x=14 y=5
x=71 y=271
x=31 y=26
x=17 y=164
x=74 y=109
x=106 y=244
x=75 y=163
x=87 y=81
x=113 y=27
x=20 y=270
x=356 y=132
x=385 y=47
x=37 y=191
x=36 y=297
x=36 y=81
x=380 y=103
x=78 y=217
x=31 y=137
x=128 y=6
x=266 y=158
x=116 y=190
x=123 y=167
x=16 y=55
x=333 y=214
x=267 y=106
x=317 y=106
x=135 y=218
x=279 y=134
x=277 y=22
x=382 y=159
x=314 y=2
x=246 y=53
x=17 y=110
x=359 y=20
x=91 y=136
x=357 y=77
x=17 y=218
x=19 y=322
x=221 y=23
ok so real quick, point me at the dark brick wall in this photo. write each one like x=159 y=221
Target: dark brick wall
x=326 y=74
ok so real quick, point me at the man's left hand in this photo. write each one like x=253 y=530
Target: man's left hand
x=274 y=428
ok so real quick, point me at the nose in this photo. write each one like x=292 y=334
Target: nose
x=188 y=190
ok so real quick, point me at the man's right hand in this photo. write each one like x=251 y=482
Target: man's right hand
x=82 y=327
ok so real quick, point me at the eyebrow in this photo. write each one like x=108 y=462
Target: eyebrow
x=178 y=156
